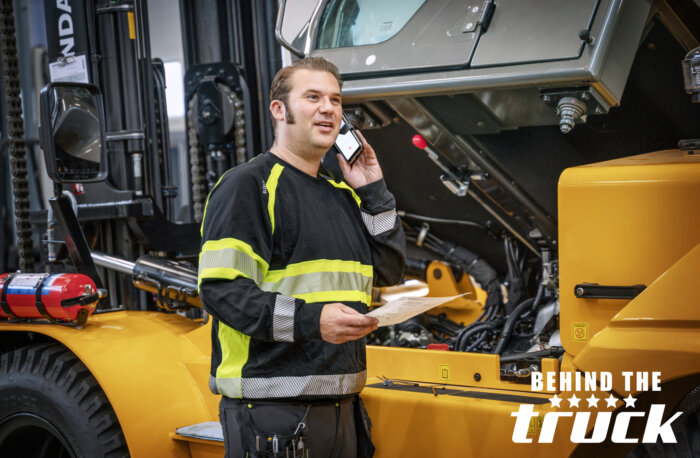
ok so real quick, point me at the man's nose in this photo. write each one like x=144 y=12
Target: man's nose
x=326 y=105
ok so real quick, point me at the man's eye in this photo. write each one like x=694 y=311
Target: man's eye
x=335 y=101
x=313 y=97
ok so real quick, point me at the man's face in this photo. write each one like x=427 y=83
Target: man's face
x=312 y=114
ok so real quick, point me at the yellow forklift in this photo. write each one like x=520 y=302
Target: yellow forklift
x=543 y=161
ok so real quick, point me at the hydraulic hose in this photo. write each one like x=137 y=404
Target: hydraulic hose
x=510 y=324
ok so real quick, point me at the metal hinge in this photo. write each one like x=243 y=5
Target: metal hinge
x=479 y=16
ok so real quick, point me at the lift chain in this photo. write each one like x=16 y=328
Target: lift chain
x=197 y=160
x=197 y=172
x=15 y=136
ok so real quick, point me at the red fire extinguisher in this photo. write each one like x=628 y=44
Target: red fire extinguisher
x=55 y=297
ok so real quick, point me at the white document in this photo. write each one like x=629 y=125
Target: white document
x=403 y=308
x=70 y=69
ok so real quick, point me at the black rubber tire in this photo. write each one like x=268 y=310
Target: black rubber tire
x=52 y=406
x=686 y=429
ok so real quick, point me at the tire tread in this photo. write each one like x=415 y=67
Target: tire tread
x=57 y=365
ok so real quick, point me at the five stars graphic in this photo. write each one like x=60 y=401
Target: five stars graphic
x=611 y=400
x=592 y=401
x=556 y=401
x=573 y=401
x=629 y=401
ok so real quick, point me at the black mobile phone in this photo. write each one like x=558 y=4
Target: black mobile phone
x=348 y=142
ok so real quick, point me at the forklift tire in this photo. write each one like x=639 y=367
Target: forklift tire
x=686 y=429
x=52 y=406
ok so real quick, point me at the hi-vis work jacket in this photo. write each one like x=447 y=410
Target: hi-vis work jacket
x=277 y=245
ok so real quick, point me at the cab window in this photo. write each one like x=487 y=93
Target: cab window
x=363 y=22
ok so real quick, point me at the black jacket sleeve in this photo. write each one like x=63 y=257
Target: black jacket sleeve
x=386 y=234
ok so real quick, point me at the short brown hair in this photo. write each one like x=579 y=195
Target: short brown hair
x=279 y=89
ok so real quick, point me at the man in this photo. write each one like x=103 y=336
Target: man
x=286 y=269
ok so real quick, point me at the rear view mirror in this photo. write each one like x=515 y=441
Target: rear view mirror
x=73 y=132
x=293 y=24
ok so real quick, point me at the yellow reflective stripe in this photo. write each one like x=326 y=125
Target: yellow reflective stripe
x=235 y=347
x=230 y=258
x=343 y=185
x=204 y=215
x=224 y=273
x=320 y=281
x=336 y=296
x=239 y=245
x=319 y=265
x=271 y=186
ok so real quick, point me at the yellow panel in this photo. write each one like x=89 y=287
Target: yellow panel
x=409 y=424
x=442 y=283
x=621 y=223
x=658 y=331
x=154 y=369
x=465 y=369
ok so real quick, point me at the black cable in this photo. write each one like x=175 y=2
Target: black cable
x=431 y=219
x=538 y=297
x=550 y=352
x=461 y=340
x=510 y=324
x=480 y=339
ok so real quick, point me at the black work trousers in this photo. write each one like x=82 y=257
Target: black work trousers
x=254 y=428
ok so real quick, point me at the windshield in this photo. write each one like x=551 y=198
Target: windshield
x=363 y=22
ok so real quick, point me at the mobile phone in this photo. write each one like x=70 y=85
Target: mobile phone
x=348 y=143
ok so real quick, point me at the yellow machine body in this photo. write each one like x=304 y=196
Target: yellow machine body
x=623 y=222
x=153 y=368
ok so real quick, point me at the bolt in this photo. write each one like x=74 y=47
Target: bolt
x=475 y=9
x=470 y=25
x=585 y=96
x=546 y=98
x=579 y=291
x=569 y=110
x=599 y=110
x=480 y=124
x=477 y=377
x=437 y=273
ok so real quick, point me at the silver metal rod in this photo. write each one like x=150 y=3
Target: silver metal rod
x=119 y=136
x=113 y=263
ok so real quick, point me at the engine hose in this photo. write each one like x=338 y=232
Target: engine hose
x=510 y=324
x=474 y=266
x=538 y=297
x=486 y=317
x=480 y=339
x=468 y=332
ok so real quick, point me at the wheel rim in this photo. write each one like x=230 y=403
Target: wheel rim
x=28 y=435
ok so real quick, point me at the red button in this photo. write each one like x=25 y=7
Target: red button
x=419 y=141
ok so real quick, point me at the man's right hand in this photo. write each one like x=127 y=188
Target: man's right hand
x=340 y=323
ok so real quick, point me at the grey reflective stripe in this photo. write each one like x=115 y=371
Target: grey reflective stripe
x=212 y=384
x=379 y=223
x=283 y=319
x=289 y=387
x=318 y=282
x=230 y=258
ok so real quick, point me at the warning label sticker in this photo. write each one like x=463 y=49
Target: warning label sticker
x=579 y=332
x=444 y=372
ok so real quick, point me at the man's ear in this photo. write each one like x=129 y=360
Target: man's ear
x=277 y=110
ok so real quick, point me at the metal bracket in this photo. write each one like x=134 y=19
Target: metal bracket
x=479 y=16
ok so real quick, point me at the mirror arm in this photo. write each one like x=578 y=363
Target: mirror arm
x=278 y=32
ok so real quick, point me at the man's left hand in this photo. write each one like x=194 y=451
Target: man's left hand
x=366 y=168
